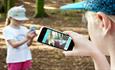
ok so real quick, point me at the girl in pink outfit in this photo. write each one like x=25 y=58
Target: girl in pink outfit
x=18 y=38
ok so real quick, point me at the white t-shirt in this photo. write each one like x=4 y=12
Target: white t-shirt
x=20 y=54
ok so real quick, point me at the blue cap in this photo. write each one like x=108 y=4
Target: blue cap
x=105 y=6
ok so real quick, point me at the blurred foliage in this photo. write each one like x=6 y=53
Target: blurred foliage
x=5 y=5
x=39 y=11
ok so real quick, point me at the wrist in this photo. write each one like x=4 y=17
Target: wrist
x=96 y=54
x=26 y=39
x=100 y=60
x=94 y=51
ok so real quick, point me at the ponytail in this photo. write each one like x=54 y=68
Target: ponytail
x=7 y=21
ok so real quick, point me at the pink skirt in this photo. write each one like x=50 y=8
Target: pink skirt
x=20 y=66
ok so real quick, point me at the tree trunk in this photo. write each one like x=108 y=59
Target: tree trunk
x=73 y=1
x=7 y=4
x=39 y=11
x=3 y=5
x=10 y=3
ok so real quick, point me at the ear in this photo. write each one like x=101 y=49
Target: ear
x=105 y=22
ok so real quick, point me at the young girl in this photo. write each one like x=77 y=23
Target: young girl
x=17 y=38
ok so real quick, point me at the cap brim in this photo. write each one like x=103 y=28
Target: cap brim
x=21 y=18
x=74 y=6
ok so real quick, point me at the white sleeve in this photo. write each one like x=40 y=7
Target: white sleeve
x=26 y=30
x=7 y=34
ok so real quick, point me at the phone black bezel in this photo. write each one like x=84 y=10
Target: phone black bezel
x=42 y=33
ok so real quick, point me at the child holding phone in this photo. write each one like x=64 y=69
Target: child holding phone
x=18 y=38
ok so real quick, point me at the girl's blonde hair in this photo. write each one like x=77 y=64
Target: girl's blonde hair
x=112 y=18
x=8 y=21
x=90 y=14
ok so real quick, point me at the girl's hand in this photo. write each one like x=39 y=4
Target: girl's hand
x=82 y=47
x=31 y=35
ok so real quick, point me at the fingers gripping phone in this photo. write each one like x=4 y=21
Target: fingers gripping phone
x=55 y=39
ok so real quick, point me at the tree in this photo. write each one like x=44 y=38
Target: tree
x=5 y=6
x=2 y=8
x=76 y=1
x=39 y=11
x=10 y=3
x=73 y=1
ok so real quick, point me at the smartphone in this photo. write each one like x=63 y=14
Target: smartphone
x=55 y=39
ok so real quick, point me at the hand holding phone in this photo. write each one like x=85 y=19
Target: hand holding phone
x=32 y=28
x=32 y=31
x=55 y=39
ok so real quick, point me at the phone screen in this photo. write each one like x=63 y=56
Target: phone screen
x=57 y=39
